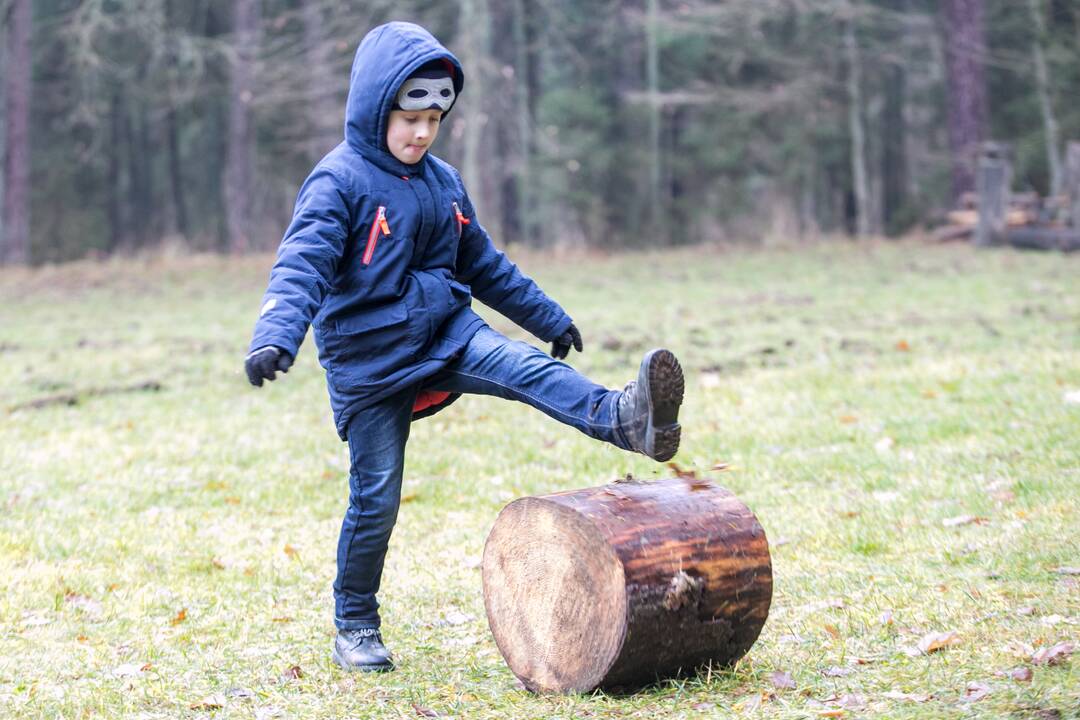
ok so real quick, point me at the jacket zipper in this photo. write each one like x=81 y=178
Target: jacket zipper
x=461 y=219
x=380 y=224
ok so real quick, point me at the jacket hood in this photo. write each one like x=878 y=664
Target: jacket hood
x=387 y=56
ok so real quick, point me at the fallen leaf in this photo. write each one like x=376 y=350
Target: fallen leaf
x=834 y=713
x=935 y=641
x=211 y=702
x=832 y=630
x=1021 y=674
x=409 y=497
x=1064 y=570
x=721 y=466
x=423 y=711
x=836 y=671
x=782 y=680
x=964 y=520
x=290 y=550
x=903 y=346
x=1026 y=610
x=910 y=697
x=82 y=602
x=293 y=673
x=129 y=670
x=703 y=706
x=1020 y=649
x=281 y=619
x=681 y=472
x=848 y=419
x=885 y=444
x=886 y=618
x=239 y=692
x=456 y=617
x=1053 y=655
x=179 y=617
x=975 y=691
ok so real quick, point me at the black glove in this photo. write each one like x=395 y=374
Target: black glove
x=560 y=346
x=265 y=362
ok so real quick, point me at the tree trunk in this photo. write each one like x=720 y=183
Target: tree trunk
x=476 y=42
x=523 y=61
x=1072 y=159
x=239 y=190
x=172 y=130
x=652 y=82
x=860 y=184
x=966 y=106
x=620 y=585
x=324 y=114
x=15 y=242
x=1042 y=89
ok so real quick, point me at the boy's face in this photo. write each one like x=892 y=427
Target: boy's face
x=410 y=133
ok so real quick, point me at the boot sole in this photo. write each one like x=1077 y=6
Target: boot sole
x=665 y=390
x=359 y=668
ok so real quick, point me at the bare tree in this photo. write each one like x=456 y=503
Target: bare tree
x=966 y=106
x=858 y=134
x=1042 y=88
x=15 y=242
x=239 y=162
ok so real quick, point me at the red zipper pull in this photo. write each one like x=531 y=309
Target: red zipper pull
x=385 y=226
x=460 y=218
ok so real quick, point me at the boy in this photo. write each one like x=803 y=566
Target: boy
x=382 y=258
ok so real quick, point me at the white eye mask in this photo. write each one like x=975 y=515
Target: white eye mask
x=420 y=93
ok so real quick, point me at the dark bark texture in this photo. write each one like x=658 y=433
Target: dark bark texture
x=15 y=240
x=966 y=103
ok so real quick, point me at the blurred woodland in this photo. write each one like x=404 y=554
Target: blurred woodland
x=129 y=124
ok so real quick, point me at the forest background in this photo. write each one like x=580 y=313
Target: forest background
x=129 y=124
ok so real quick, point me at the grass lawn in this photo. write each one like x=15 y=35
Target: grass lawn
x=903 y=419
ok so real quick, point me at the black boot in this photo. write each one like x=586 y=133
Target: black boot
x=361 y=650
x=649 y=407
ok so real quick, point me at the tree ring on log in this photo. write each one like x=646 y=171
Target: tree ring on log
x=558 y=615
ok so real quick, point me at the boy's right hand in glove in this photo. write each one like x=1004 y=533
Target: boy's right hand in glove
x=265 y=362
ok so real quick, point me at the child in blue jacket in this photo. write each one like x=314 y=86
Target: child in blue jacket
x=383 y=257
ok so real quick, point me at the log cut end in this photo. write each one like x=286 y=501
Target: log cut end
x=555 y=595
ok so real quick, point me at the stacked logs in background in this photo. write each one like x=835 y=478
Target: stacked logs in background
x=621 y=585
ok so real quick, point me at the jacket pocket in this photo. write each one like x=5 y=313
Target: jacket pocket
x=373 y=320
x=378 y=228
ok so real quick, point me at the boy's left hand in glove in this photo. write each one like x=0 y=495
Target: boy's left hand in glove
x=560 y=346
x=265 y=362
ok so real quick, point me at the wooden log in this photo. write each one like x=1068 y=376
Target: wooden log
x=1033 y=238
x=621 y=585
x=992 y=182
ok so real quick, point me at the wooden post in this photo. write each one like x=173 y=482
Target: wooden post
x=621 y=585
x=1072 y=165
x=992 y=182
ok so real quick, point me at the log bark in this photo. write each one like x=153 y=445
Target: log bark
x=622 y=585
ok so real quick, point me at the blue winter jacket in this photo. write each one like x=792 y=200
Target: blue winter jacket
x=383 y=258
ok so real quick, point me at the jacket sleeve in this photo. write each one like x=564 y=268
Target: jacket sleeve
x=306 y=263
x=497 y=282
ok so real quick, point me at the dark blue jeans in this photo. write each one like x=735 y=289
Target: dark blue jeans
x=490 y=364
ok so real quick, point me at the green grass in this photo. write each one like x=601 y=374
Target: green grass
x=862 y=394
